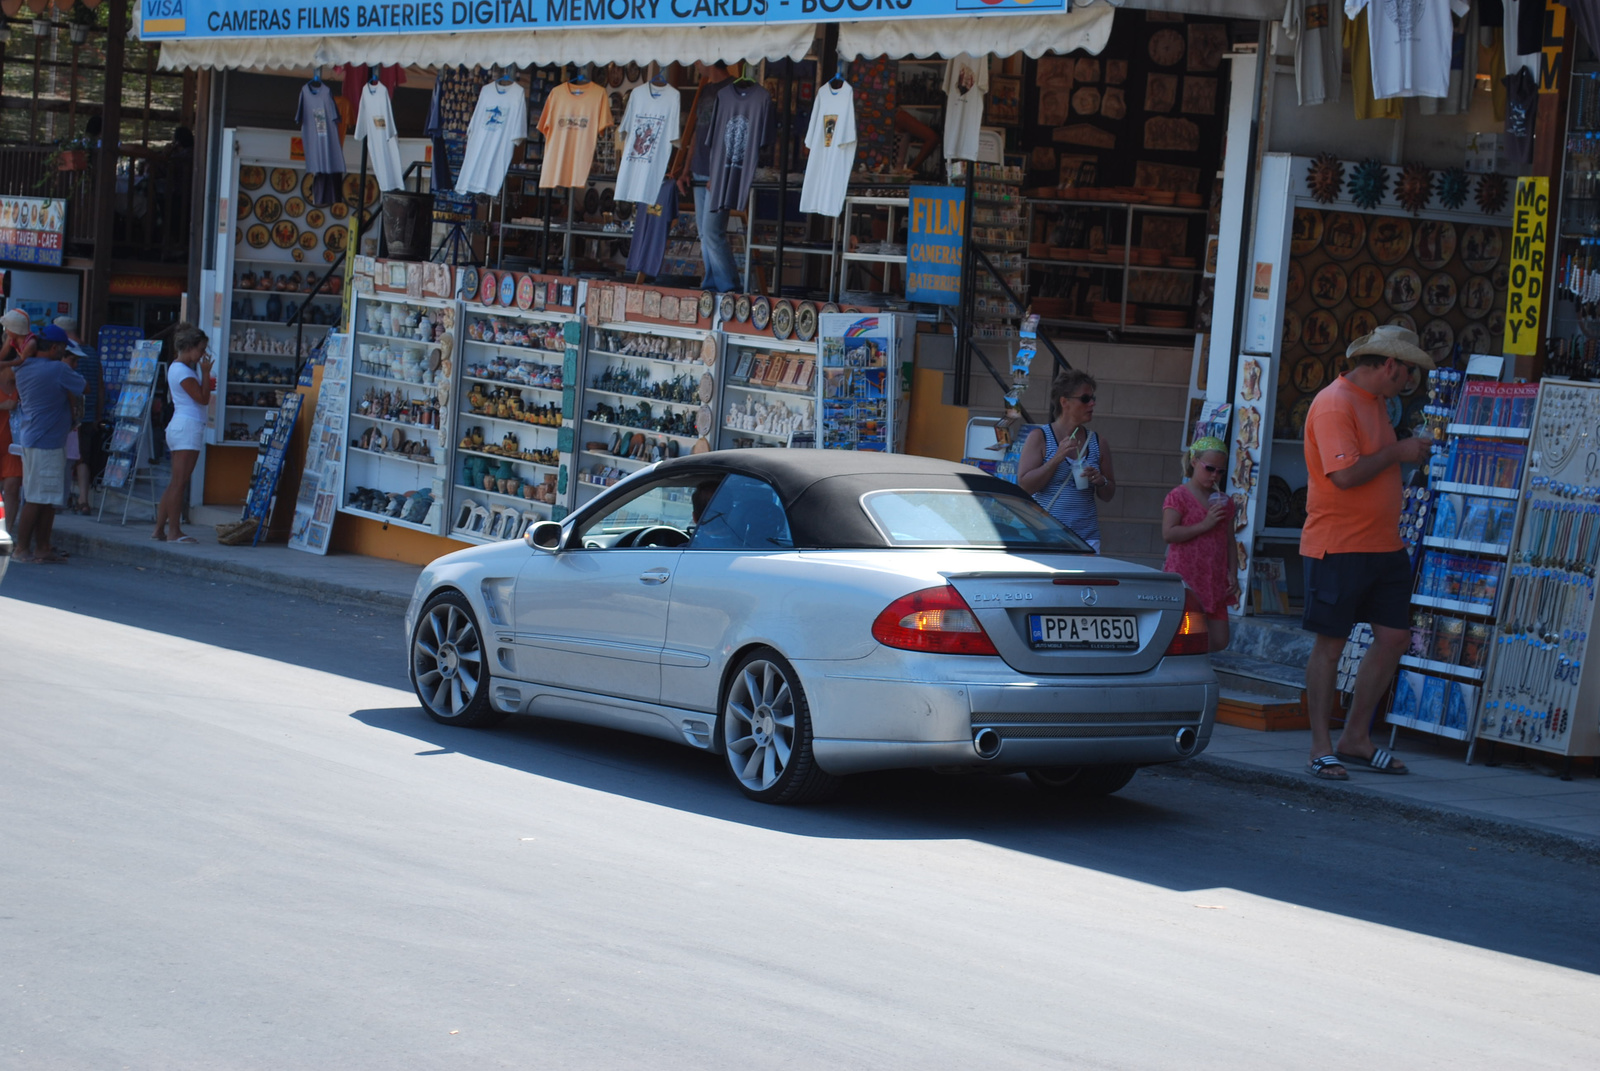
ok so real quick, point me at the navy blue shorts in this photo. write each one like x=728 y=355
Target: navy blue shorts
x=1343 y=590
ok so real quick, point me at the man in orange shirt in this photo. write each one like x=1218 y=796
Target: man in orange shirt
x=1356 y=566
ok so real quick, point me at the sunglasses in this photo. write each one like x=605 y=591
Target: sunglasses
x=1210 y=468
x=1086 y=399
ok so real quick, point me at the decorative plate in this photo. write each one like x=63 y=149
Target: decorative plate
x=1390 y=240
x=1297 y=419
x=1439 y=293
x=1295 y=285
x=1291 y=327
x=309 y=239
x=1480 y=248
x=336 y=238
x=258 y=237
x=1496 y=323
x=285 y=234
x=297 y=253
x=1329 y=284
x=1297 y=497
x=700 y=446
x=1307 y=231
x=469 y=284
x=782 y=318
x=1321 y=331
x=741 y=308
x=614 y=76
x=830 y=308
x=1309 y=374
x=268 y=208
x=1343 y=233
x=252 y=177
x=295 y=207
x=339 y=210
x=1366 y=286
x=285 y=179
x=703 y=420
x=1477 y=297
x=316 y=218
x=1400 y=319
x=1276 y=504
x=805 y=321
x=1437 y=337
x=1500 y=276
x=708 y=388
x=1436 y=243
x=1475 y=338
x=525 y=292
x=1403 y=289
x=246 y=206
x=1361 y=322
x=760 y=313
x=329 y=255
x=488 y=287
x=634 y=72
x=307 y=184
x=238 y=236
x=711 y=304
x=508 y=289
x=708 y=352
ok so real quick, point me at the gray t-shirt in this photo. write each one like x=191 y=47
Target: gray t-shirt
x=741 y=125
x=318 y=116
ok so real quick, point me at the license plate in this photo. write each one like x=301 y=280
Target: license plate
x=1097 y=632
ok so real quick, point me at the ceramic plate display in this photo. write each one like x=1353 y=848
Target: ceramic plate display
x=1309 y=374
x=338 y=210
x=1361 y=322
x=329 y=255
x=708 y=352
x=336 y=238
x=1329 y=284
x=258 y=236
x=525 y=292
x=316 y=218
x=1295 y=285
x=708 y=300
x=285 y=179
x=1307 y=231
x=488 y=287
x=1477 y=297
x=708 y=388
x=285 y=234
x=1390 y=239
x=1480 y=247
x=1403 y=289
x=829 y=308
x=1400 y=319
x=268 y=208
x=1321 y=331
x=782 y=318
x=1500 y=276
x=252 y=177
x=1343 y=233
x=508 y=289
x=294 y=207
x=703 y=420
x=469 y=284
x=309 y=240
x=1291 y=327
x=805 y=321
x=1439 y=293
x=307 y=184
x=1496 y=323
x=1366 y=286
x=297 y=253
x=246 y=206
x=1436 y=244
x=1297 y=417
x=760 y=313
x=1475 y=338
x=1437 y=337
x=727 y=306
x=634 y=73
x=741 y=308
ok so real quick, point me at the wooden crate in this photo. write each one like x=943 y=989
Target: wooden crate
x=1263 y=713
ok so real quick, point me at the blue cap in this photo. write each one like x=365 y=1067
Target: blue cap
x=52 y=333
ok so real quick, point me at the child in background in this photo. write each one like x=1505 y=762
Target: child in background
x=1199 y=545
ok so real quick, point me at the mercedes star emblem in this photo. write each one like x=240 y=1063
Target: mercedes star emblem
x=1089 y=596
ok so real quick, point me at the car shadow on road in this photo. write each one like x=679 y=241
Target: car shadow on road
x=1166 y=829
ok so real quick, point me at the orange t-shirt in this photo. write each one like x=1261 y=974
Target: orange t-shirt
x=572 y=119
x=1344 y=425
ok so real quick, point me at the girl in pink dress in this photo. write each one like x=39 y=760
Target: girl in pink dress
x=1194 y=524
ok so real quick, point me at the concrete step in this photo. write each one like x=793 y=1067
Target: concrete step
x=1258 y=674
x=1272 y=638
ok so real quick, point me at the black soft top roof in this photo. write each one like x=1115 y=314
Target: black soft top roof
x=821 y=489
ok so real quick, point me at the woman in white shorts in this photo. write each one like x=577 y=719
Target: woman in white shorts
x=189 y=382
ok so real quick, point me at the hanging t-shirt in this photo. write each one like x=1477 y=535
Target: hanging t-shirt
x=573 y=117
x=1463 y=71
x=652 y=224
x=1317 y=27
x=1410 y=45
x=357 y=75
x=318 y=117
x=1519 y=57
x=1355 y=39
x=966 y=80
x=649 y=127
x=375 y=122
x=498 y=123
x=1530 y=26
x=1522 y=109
x=831 y=140
x=741 y=125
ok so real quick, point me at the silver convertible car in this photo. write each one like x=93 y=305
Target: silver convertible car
x=809 y=614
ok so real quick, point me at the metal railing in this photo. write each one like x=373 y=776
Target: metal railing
x=151 y=198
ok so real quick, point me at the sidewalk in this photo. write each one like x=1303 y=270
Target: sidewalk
x=1516 y=800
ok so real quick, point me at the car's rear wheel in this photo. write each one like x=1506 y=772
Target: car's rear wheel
x=1081 y=782
x=447 y=664
x=766 y=733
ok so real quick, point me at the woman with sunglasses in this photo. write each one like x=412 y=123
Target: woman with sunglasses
x=1200 y=547
x=1064 y=466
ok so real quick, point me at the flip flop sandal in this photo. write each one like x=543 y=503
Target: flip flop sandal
x=1328 y=768
x=1382 y=761
x=184 y=539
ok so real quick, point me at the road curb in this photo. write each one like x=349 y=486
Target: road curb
x=157 y=555
x=1353 y=796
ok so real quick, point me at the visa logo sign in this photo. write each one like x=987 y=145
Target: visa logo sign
x=164 y=16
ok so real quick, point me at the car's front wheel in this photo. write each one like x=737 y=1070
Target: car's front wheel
x=766 y=733
x=1081 y=782
x=447 y=664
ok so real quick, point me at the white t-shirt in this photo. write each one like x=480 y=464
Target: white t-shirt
x=1410 y=44
x=831 y=139
x=966 y=80
x=1317 y=28
x=650 y=126
x=498 y=122
x=375 y=122
x=1515 y=62
x=183 y=406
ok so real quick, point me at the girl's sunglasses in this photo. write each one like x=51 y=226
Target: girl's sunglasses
x=1210 y=468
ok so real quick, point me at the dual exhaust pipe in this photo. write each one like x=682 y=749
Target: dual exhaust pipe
x=986 y=742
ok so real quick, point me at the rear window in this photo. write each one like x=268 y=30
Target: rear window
x=968 y=519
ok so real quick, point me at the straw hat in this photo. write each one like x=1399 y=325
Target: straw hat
x=1392 y=341
x=15 y=321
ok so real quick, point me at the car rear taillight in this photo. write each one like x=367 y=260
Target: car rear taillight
x=1193 y=636
x=937 y=620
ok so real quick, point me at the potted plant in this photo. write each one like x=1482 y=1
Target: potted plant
x=72 y=154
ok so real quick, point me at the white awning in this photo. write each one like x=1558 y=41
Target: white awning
x=534 y=48
x=1087 y=28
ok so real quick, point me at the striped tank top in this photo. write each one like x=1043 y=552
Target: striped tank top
x=1076 y=509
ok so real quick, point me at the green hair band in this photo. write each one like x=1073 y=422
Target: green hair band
x=1206 y=444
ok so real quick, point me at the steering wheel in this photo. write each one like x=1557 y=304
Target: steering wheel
x=659 y=535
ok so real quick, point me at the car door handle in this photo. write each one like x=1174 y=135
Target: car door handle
x=655 y=576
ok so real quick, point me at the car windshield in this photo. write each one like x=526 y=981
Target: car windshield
x=968 y=519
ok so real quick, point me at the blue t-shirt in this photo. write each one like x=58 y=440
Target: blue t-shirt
x=46 y=389
x=652 y=224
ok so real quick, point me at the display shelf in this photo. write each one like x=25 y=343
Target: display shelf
x=1427 y=726
x=398 y=522
x=390 y=379
x=648 y=433
x=1449 y=487
x=1449 y=669
x=1457 y=606
x=612 y=355
x=429 y=462
x=250 y=408
x=1488 y=431
x=491 y=382
x=1467 y=546
x=469 y=416
x=429 y=428
x=523 y=462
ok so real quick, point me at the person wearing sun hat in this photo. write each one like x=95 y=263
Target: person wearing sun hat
x=1356 y=565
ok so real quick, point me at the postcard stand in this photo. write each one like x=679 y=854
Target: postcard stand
x=130 y=454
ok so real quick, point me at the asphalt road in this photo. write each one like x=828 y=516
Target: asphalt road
x=231 y=840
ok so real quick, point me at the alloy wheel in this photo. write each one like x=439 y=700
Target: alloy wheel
x=447 y=660
x=761 y=725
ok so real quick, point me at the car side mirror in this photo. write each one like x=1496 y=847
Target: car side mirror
x=545 y=536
